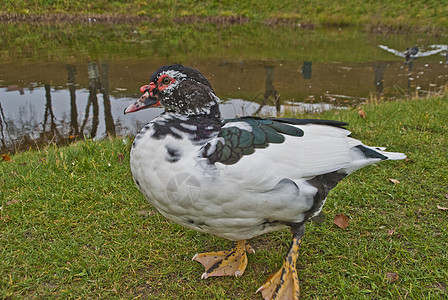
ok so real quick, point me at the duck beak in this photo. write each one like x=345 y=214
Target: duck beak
x=145 y=101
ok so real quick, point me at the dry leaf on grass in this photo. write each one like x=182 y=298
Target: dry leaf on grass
x=362 y=114
x=442 y=208
x=14 y=201
x=407 y=159
x=394 y=181
x=341 y=221
x=391 y=277
x=120 y=157
x=391 y=232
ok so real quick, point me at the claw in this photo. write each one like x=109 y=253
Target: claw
x=225 y=263
x=284 y=284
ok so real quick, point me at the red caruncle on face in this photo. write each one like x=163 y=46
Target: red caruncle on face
x=164 y=81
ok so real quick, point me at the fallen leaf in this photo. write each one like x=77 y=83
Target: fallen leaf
x=391 y=232
x=12 y=202
x=6 y=157
x=120 y=157
x=341 y=221
x=394 y=181
x=145 y=213
x=391 y=277
x=362 y=114
x=442 y=208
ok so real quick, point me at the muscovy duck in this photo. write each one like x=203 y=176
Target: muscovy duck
x=238 y=178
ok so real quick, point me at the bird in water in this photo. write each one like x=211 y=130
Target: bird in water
x=410 y=53
x=238 y=178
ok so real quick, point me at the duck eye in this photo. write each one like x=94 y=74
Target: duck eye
x=166 y=80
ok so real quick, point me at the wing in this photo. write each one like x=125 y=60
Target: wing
x=310 y=121
x=240 y=137
x=393 y=51
x=279 y=170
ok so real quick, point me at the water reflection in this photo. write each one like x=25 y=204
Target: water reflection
x=23 y=130
x=379 y=78
x=49 y=116
x=270 y=93
x=413 y=53
x=306 y=69
x=74 y=130
x=64 y=102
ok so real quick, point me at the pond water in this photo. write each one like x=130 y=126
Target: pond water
x=46 y=97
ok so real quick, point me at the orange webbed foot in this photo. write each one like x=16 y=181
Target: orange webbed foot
x=225 y=263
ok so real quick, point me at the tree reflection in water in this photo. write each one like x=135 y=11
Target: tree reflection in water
x=14 y=137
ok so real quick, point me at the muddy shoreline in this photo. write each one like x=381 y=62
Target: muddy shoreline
x=111 y=19
x=116 y=19
x=123 y=19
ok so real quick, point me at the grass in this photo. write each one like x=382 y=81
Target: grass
x=73 y=225
x=400 y=14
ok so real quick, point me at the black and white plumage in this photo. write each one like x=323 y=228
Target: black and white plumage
x=414 y=52
x=238 y=178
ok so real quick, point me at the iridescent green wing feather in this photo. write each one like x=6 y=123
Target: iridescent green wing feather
x=239 y=137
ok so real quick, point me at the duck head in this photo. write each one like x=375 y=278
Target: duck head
x=179 y=89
